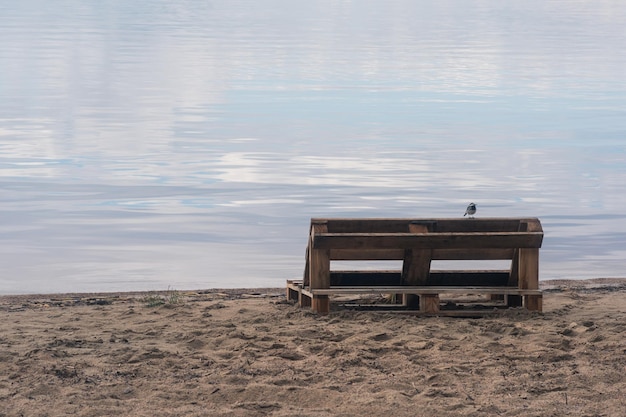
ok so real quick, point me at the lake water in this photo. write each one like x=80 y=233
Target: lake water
x=187 y=144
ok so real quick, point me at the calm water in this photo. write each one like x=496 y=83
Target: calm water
x=155 y=144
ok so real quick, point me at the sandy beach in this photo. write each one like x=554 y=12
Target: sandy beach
x=251 y=352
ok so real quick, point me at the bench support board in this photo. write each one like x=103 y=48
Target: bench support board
x=429 y=296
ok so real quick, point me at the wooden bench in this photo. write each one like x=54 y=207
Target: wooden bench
x=417 y=242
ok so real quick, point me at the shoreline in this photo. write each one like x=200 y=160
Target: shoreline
x=547 y=285
x=134 y=295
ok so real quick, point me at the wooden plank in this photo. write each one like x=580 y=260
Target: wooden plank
x=416 y=265
x=404 y=289
x=529 y=263
x=320 y=304
x=532 y=225
x=437 y=254
x=396 y=225
x=514 y=272
x=319 y=226
x=533 y=302
x=304 y=299
x=528 y=268
x=479 y=225
x=429 y=303
x=319 y=262
x=319 y=274
x=427 y=240
x=366 y=255
x=370 y=225
x=319 y=271
x=472 y=254
x=304 y=296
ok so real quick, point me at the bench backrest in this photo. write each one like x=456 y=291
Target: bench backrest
x=449 y=239
x=417 y=242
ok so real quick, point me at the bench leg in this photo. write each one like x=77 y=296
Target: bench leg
x=320 y=304
x=533 y=302
x=304 y=300
x=319 y=271
x=528 y=268
x=416 y=263
x=429 y=303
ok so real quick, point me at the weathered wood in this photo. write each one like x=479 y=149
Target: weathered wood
x=472 y=254
x=304 y=299
x=427 y=240
x=514 y=274
x=435 y=289
x=398 y=225
x=319 y=261
x=429 y=303
x=366 y=255
x=319 y=271
x=320 y=304
x=416 y=265
x=532 y=225
x=437 y=254
x=514 y=270
x=528 y=268
x=533 y=302
x=528 y=258
x=370 y=225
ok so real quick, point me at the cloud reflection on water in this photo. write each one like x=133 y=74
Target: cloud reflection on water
x=187 y=144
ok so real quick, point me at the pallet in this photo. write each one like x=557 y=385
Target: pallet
x=430 y=297
x=416 y=242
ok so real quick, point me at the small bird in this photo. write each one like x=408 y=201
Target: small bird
x=471 y=210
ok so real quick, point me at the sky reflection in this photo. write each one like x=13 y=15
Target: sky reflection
x=146 y=145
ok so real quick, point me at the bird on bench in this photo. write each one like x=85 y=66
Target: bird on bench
x=471 y=210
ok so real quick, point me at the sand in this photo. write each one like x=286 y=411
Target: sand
x=250 y=352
